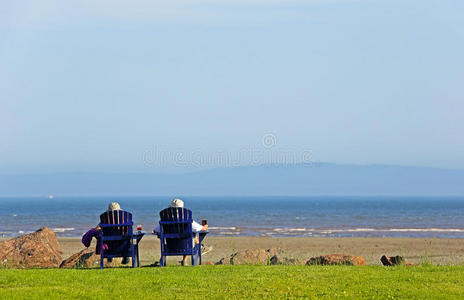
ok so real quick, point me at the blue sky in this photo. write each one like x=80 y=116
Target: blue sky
x=91 y=85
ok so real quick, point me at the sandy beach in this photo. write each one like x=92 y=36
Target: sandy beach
x=438 y=251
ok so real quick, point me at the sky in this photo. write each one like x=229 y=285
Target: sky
x=100 y=86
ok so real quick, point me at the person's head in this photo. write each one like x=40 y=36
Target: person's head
x=114 y=206
x=177 y=203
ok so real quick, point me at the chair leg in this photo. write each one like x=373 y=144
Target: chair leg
x=132 y=252
x=102 y=257
x=162 y=261
x=194 y=261
x=137 y=253
x=197 y=254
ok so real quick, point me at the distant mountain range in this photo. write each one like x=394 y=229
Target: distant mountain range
x=299 y=179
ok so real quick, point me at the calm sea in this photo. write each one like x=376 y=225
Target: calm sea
x=254 y=216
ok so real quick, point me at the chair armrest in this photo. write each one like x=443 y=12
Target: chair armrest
x=115 y=237
x=202 y=235
x=115 y=225
x=175 y=222
x=178 y=235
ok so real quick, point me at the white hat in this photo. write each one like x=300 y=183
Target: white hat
x=177 y=203
x=114 y=206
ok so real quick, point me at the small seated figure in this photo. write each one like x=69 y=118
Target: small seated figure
x=196 y=227
x=96 y=233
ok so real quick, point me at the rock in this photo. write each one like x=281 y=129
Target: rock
x=252 y=257
x=39 y=249
x=275 y=260
x=394 y=261
x=87 y=259
x=337 y=259
x=272 y=256
x=82 y=259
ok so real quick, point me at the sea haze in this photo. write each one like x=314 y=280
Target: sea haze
x=275 y=216
x=298 y=179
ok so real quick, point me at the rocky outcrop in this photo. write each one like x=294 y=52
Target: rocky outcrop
x=394 y=261
x=252 y=257
x=337 y=259
x=39 y=249
x=82 y=259
x=87 y=259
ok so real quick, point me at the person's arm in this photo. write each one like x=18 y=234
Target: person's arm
x=87 y=238
x=197 y=227
x=157 y=228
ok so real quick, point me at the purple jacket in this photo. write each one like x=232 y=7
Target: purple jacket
x=87 y=239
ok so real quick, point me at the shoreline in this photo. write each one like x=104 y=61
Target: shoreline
x=443 y=251
x=283 y=232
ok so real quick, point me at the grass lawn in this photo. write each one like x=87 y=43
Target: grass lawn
x=235 y=282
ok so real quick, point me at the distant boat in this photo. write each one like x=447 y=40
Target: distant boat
x=50 y=197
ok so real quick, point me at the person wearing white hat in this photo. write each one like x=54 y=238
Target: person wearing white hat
x=113 y=206
x=176 y=202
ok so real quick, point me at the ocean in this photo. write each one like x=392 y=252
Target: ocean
x=251 y=216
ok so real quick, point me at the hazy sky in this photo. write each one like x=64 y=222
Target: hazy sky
x=93 y=85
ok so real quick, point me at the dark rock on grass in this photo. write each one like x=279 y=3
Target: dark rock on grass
x=39 y=249
x=82 y=259
x=275 y=260
x=223 y=261
x=337 y=259
x=394 y=261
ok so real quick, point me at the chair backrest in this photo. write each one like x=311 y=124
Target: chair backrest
x=178 y=220
x=176 y=230
x=116 y=217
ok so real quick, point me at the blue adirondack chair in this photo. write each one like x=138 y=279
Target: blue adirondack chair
x=176 y=235
x=117 y=233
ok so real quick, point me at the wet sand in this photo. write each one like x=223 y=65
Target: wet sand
x=438 y=251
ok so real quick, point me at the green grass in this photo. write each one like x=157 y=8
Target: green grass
x=233 y=282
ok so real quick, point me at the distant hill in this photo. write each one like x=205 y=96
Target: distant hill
x=299 y=179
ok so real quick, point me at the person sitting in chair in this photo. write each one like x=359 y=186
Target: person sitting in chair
x=196 y=227
x=96 y=233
